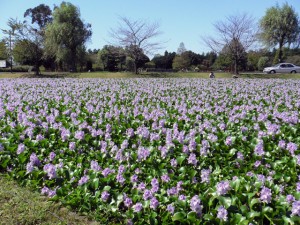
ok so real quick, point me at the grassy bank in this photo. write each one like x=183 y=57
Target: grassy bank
x=148 y=75
x=20 y=205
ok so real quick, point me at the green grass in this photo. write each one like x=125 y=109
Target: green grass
x=20 y=205
x=147 y=75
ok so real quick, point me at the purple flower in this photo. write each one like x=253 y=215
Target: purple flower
x=192 y=159
x=127 y=202
x=222 y=213
x=291 y=147
x=165 y=178
x=95 y=166
x=72 y=145
x=257 y=163
x=84 y=179
x=228 y=141
x=79 y=135
x=265 y=195
x=137 y=207
x=259 y=149
x=298 y=186
x=21 y=148
x=45 y=190
x=182 y=197
x=173 y=162
x=195 y=205
x=205 y=174
x=106 y=172
x=296 y=208
x=29 y=167
x=282 y=144
x=223 y=187
x=154 y=203
x=105 y=195
x=52 y=156
x=170 y=208
x=147 y=194
x=50 y=170
x=34 y=160
x=134 y=178
x=290 y=198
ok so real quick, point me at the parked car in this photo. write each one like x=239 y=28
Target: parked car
x=282 y=68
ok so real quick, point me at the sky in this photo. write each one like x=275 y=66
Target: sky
x=180 y=21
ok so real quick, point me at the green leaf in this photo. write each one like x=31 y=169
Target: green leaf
x=253 y=202
x=253 y=214
x=192 y=216
x=225 y=201
x=288 y=220
x=267 y=209
x=180 y=159
x=106 y=188
x=179 y=216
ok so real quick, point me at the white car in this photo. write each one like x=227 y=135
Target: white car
x=282 y=68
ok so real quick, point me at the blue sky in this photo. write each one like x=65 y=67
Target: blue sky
x=180 y=21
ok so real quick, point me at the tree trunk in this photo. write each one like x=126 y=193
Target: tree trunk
x=280 y=51
x=135 y=67
x=236 y=72
x=73 y=62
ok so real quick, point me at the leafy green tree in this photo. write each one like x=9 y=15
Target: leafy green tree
x=66 y=35
x=279 y=26
x=112 y=58
x=14 y=25
x=3 y=50
x=181 y=62
x=262 y=62
x=41 y=15
x=164 y=61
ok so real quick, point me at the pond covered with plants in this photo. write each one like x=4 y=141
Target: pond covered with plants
x=157 y=151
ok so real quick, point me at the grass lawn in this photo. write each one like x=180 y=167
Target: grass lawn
x=148 y=75
x=20 y=205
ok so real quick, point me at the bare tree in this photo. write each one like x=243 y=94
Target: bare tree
x=137 y=37
x=235 y=35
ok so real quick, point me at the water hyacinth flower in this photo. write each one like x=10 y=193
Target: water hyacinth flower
x=265 y=195
x=127 y=201
x=195 y=205
x=34 y=160
x=259 y=149
x=21 y=148
x=137 y=207
x=171 y=208
x=83 y=180
x=50 y=170
x=228 y=141
x=290 y=198
x=291 y=147
x=72 y=145
x=79 y=135
x=95 y=166
x=154 y=203
x=165 y=178
x=52 y=156
x=205 y=175
x=192 y=159
x=222 y=213
x=223 y=187
x=296 y=208
x=105 y=196
x=240 y=156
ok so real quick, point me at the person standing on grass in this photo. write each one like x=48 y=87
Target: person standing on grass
x=211 y=75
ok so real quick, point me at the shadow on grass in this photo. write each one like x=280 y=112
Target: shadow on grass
x=51 y=75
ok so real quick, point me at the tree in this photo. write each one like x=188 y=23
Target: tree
x=137 y=37
x=3 y=51
x=181 y=49
x=66 y=35
x=14 y=25
x=41 y=15
x=237 y=33
x=181 y=62
x=262 y=62
x=164 y=61
x=279 y=26
x=112 y=58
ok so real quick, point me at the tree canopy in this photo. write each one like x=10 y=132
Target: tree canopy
x=279 y=26
x=66 y=34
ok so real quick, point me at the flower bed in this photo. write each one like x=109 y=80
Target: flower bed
x=157 y=151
